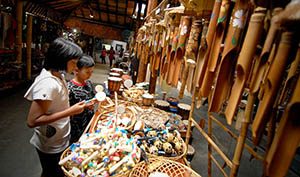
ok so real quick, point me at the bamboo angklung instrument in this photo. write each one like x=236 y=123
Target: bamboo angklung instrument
x=190 y=54
x=244 y=63
x=184 y=28
x=216 y=48
x=286 y=139
x=192 y=49
x=208 y=43
x=272 y=85
x=266 y=57
x=172 y=47
x=171 y=56
x=225 y=74
x=200 y=57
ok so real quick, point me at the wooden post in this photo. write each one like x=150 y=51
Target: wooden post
x=19 y=15
x=152 y=84
x=28 y=46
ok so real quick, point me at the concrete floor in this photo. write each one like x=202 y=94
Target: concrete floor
x=18 y=157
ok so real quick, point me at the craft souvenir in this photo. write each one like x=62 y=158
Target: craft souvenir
x=161 y=104
x=274 y=78
x=225 y=73
x=215 y=48
x=114 y=83
x=134 y=94
x=113 y=74
x=287 y=139
x=184 y=110
x=244 y=63
x=117 y=70
x=106 y=153
x=184 y=28
x=209 y=41
x=147 y=99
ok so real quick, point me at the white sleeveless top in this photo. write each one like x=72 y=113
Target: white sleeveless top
x=54 y=137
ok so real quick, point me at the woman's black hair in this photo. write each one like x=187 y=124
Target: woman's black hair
x=60 y=52
x=85 y=61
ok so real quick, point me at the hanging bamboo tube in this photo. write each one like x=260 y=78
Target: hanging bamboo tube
x=192 y=50
x=215 y=50
x=209 y=41
x=225 y=72
x=189 y=64
x=291 y=79
x=184 y=28
x=200 y=57
x=244 y=63
x=274 y=78
x=169 y=39
x=287 y=138
x=190 y=54
x=266 y=56
x=172 y=56
x=28 y=48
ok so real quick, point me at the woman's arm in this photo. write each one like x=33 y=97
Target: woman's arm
x=38 y=113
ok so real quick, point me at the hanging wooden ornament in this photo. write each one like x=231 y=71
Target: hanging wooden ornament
x=209 y=40
x=287 y=139
x=273 y=80
x=266 y=57
x=179 y=53
x=192 y=49
x=215 y=50
x=244 y=63
x=225 y=74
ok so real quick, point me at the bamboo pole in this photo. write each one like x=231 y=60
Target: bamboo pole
x=242 y=137
x=218 y=165
x=209 y=151
x=212 y=143
x=19 y=14
x=250 y=150
x=28 y=44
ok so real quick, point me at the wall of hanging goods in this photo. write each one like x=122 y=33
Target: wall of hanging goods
x=243 y=57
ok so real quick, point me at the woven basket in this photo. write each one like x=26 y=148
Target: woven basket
x=169 y=167
x=176 y=158
x=65 y=167
x=103 y=116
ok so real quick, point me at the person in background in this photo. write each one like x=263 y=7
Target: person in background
x=81 y=89
x=103 y=55
x=50 y=111
x=111 y=56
